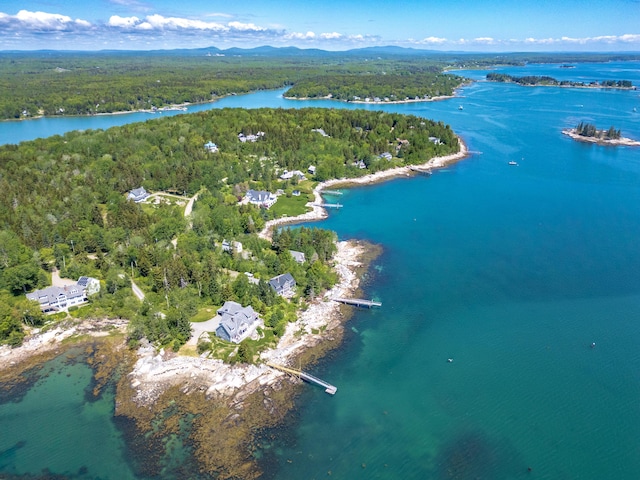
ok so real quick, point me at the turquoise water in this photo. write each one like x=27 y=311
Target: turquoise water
x=512 y=272
x=58 y=428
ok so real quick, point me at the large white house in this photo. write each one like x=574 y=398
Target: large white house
x=261 y=198
x=138 y=195
x=236 y=322
x=59 y=299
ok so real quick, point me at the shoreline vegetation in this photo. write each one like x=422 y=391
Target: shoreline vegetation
x=546 y=81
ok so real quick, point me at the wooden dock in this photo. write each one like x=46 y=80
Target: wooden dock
x=330 y=389
x=358 y=302
x=422 y=171
x=328 y=205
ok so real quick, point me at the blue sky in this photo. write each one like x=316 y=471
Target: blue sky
x=463 y=25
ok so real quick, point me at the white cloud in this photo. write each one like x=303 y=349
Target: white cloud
x=432 y=41
x=125 y=22
x=300 y=36
x=484 y=40
x=39 y=22
x=245 y=27
x=331 y=36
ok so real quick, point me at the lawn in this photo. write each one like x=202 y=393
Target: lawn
x=291 y=206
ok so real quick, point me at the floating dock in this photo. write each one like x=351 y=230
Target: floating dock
x=358 y=302
x=422 y=171
x=331 y=192
x=328 y=205
x=330 y=389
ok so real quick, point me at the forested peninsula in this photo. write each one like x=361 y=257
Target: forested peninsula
x=533 y=80
x=64 y=206
x=392 y=88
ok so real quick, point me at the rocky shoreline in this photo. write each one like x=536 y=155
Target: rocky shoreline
x=627 y=142
x=319 y=213
x=155 y=372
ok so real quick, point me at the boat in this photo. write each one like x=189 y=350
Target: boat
x=513 y=163
x=460 y=107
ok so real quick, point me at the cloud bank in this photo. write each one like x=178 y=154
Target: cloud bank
x=28 y=29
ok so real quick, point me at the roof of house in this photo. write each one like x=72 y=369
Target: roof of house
x=297 y=256
x=280 y=282
x=234 y=315
x=259 y=196
x=138 y=192
x=50 y=295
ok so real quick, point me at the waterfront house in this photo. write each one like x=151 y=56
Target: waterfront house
x=298 y=256
x=236 y=322
x=312 y=169
x=296 y=193
x=385 y=155
x=287 y=175
x=283 y=285
x=261 y=198
x=138 y=195
x=211 y=147
x=59 y=299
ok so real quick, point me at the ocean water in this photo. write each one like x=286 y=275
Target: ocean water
x=513 y=272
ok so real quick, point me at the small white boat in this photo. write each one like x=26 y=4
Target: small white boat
x=460 y=107
x=513 y=163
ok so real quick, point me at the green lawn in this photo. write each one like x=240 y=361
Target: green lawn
x=291 y=206
x=204 y=314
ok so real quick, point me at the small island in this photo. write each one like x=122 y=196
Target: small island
x=546 y=81
x=587 y=132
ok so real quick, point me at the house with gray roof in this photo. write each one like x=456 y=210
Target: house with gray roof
x=59 y=299
x=138 y=195
x=236 y=322
x=261 y=198
x=284 y=285
x=298 y=256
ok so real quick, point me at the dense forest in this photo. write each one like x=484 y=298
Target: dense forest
x=532 y=80
x=81 y=84
x=386 y=88
x=64 y=205
x=76 y=83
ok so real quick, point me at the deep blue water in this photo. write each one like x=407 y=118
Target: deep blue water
x=511 y=271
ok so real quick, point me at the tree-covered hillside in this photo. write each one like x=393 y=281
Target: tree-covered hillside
x=64 y=204
x=386 y=88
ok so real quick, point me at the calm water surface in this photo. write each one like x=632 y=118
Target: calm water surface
x=511 y=271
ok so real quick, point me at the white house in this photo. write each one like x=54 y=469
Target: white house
x=261 y=198
x=236 y=322
x=287 y=175
x=250 y=138
x=138 y=195
x=59 y=299
x=312 y=169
